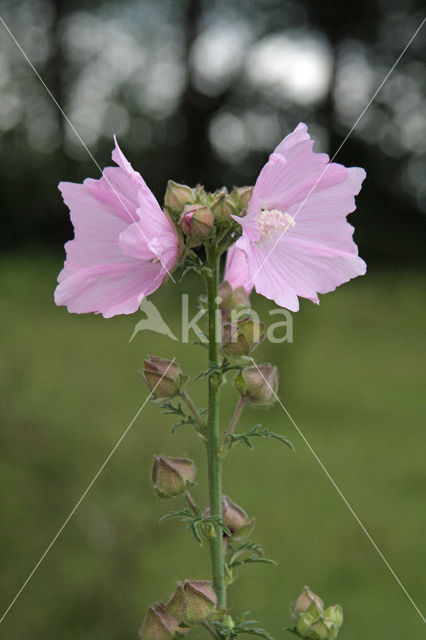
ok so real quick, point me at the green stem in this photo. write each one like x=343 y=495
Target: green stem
x=211 y=630
x=190 y=500
x=194 y=411
x=214 y=464
x=238 y=410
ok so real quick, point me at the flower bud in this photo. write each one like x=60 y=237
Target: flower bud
x=158 y=624
x=172 y=476
x=320 y=629
x=309 y=602
x=242 y=196
x=197 y=221
x=258 y=384
x=335 y=614
x=303 y=624
x=177 y=196
x=235 y=518
x=233 y=299
x=222 y=207
x=192 y=602
x=164 y=378
x=242 y=337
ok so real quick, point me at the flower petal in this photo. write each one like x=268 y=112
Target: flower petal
x=267 y=277
x=317 y=253
x=109 y=289
x=299 y=134
x=124 y=244
x=236 y=269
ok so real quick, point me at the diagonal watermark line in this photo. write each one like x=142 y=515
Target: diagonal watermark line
x=341 y=494
x=80 y=139
x=84 y=494
x=343 y=142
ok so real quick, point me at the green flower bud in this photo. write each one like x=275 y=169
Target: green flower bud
x=177 y=196
x=222 y=207
x=192 y=602
x=197 y=221
x=233 y=299
x=242 y=195
x=158 y=624
x=242 y=337
x=334 y=615
x=258 y=384
x=172 y=476
x=309 y=602
x=163 y=377
x=303 y=624
x=320 y=629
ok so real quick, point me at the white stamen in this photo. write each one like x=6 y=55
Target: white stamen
x=272 y=222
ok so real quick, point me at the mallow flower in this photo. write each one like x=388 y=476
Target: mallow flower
x=124 y=244
x=295 y=239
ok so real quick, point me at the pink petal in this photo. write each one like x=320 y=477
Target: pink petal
x=318 y=253
x=267 y=278
x=306 y=268
x=236 y=269
x=124 y=245
x=321 y=218
x=108 y=289
x=298 y=135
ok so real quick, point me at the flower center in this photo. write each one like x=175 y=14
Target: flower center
x=272 y=222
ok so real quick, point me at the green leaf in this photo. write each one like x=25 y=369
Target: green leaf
x=258 y=431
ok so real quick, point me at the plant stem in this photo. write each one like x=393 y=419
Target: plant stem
x=194 y=411
x=238 y=410
x=211 y=630
x=190 y=500
x=214 y=464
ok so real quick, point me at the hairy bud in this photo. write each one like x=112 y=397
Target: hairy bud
x=309 y=602
x=242 y=337
x=158 y=624
x=233 y=299
x=242 y=195
x=320 y=629
x=303 y=624
x=312 y=621
x=334 y=614
x=177 y=196
x=164 y=378
x=222 y=206
x=235 y=518
x=197 y=222
x=172 y=476
x=258 y=384
x=192 y=602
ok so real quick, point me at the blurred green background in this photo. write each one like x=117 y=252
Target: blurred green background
x=202 y=92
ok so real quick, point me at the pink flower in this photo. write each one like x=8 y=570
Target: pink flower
x=124 y=244
x=296 y=240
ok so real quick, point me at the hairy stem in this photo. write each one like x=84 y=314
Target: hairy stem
x=234 y=420
x=211 y=630
x=193 y=410
x=214 y=464
x=190 y=500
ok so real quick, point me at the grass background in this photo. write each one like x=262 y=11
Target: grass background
x=352 y=380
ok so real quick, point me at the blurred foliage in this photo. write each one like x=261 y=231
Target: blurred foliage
x=352 y=379
x=202 y=91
